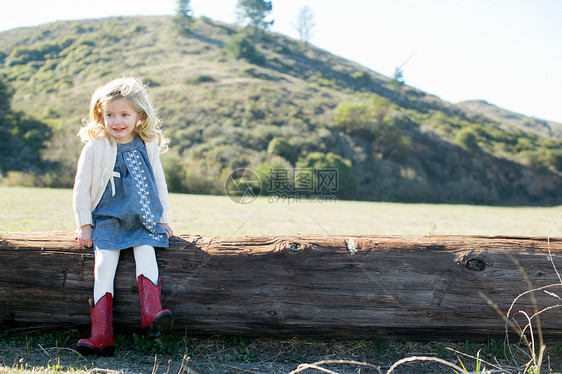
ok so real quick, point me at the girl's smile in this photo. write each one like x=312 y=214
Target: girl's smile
x=120 y=119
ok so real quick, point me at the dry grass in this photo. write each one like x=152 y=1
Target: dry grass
x=38 y=353
x=35 y=209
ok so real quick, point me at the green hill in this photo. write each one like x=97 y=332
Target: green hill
x=296 y=108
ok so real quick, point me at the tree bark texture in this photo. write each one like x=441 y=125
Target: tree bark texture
x=416 y=287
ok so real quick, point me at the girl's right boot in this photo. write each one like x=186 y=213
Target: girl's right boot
x=101 y=339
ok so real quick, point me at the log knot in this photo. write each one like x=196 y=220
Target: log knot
x=474 y=261
x=291 y=247
x=475 y=264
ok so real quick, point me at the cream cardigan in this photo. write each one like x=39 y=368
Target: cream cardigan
x=95 y=170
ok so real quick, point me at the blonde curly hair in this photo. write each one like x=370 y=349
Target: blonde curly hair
x=149 y=128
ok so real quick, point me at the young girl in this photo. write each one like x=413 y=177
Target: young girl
x=120 y=200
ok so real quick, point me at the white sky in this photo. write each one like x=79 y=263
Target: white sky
x=507 y=52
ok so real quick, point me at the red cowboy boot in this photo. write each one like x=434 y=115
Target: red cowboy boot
x=153 y=318
x=101 y=339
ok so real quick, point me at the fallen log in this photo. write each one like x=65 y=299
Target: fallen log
x=417 y=287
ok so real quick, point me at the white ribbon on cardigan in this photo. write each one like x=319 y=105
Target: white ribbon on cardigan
x=109 y=174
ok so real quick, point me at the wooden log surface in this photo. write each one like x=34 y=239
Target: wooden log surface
x=417 y=287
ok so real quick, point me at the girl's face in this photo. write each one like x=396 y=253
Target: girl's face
x=120 y=120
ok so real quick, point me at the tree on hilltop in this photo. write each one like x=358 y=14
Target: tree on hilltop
x=183 y=19
x=305 y=24
x=397 y=79
x=253 y=14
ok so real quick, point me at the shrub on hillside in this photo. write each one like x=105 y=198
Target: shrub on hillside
x=543 y=159
x=268 y=171
x=325 y=173
x=202 y=177
x=391 y=143
x=555 y=159
x=374 y=125
x=381 y=106
x=467 y=139
x=203 y=78
x=173 y=171
x=361 y=76
x=283 y=148
x=354 y=119
x=40 y=51
x=21 y=137
x=242 y=48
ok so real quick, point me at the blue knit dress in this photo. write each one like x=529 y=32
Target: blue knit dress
x=129 y=210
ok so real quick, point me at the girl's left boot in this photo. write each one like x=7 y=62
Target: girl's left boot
x=101 y=339
x=153 y=318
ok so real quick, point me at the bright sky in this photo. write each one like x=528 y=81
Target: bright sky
x=507 y=52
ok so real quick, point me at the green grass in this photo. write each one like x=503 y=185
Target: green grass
x=36 y=209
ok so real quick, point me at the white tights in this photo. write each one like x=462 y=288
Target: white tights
x=106 y=265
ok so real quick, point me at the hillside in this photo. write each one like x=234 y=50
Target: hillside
x=510 y=121
x=298 y=108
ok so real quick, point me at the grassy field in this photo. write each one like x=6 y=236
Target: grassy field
x=34 y=209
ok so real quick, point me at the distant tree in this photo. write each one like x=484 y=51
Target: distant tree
x=305 y=24
x=397 y=79
x=253 y=14
x=183 y=19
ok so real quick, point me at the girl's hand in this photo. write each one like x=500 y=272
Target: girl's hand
x=167 y=228
x=85 y=235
